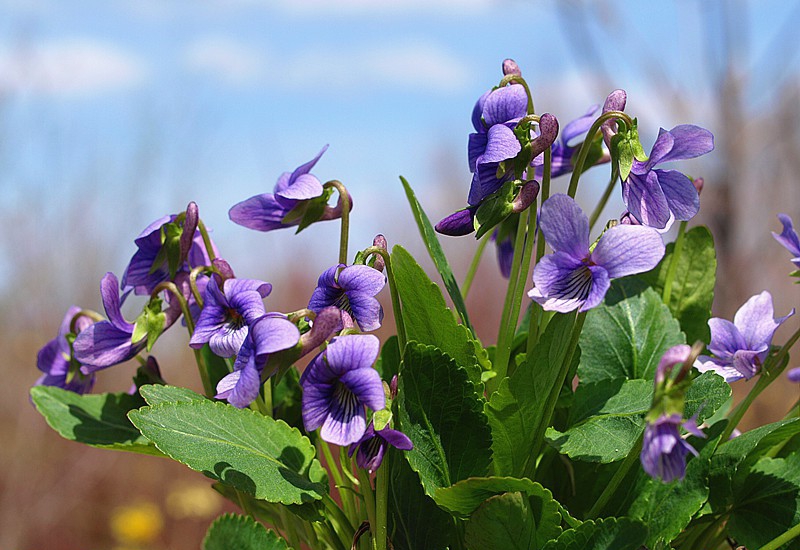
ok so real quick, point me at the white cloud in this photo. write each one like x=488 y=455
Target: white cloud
x=71 y=68
x=326 y=8
x=223 y=58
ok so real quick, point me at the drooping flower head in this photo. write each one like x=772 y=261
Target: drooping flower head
x=268 y=211
x=352 y=289
x=373 y=444
x=338 y=384
x=740 y=348
x=664 y=450
x=228 y=314
x=269 y=334
x=575 y=278
x=55 y=359
x=788 y=238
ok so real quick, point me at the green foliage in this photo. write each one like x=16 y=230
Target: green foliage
x=515 y=521
x=439 y=410
x=494 y=209
x=625 y=146
x=98 y=420
x=437 y=254
x=464 y=497
x=626 y=336
x=287 y=399
x=608 y=534
x=242 y=533
x=427 y=318
x=253 y=453
x=693 y=285
x=150 y=323
x=157 y=393
x=388 y=363
x=515 y=410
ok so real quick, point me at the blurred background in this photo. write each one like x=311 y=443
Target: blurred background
x=113 y=114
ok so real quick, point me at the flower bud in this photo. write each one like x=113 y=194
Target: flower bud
x=393 y=386
x=527 y=196
x=794 y=374
x=380 y=242
x=548 y=132
x=326 y=323
x=459 y=223
x=698 y=184
x=510 y=67
x=223 y=270
x=614 y=102
x=189 y=228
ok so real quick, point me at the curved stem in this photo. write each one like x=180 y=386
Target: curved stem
x=344 y=198
x=91 y=314
x=587 y=145
x=673 y=264
x=206 y=240
x=779 y=541
x=173 y=289
x=604 y=199
x=508 y=79
x=473 y=267
x=193 y=284
x=398 y=313
x=619 y=475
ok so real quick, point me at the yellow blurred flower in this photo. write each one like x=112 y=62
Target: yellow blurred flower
x=192 y=500
x=138 y=523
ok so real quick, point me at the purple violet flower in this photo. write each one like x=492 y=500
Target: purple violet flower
x=352 y=289
x=740 y=348
x=505 y=253
x=794 y=374
x=575 y=278
x=269 y=334
x=338 y=384
x=228 y=314
x=788 y=238
x=108 y=343
x=664 y=450
x=55 y=358
x=372 y=446
x=266 y=211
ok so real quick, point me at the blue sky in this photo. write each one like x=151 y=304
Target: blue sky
x=148 y=104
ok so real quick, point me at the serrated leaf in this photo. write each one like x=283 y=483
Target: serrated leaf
x=242 y=533
x=463 y=498
x=156 y=393
x=693 y=286
x=426 y=316
x=515 y=410
x=437 y=254
x=253 y=453
x=270 y=512
x=440 y=412
x=608 y=534
x=626 y=336
x=513 y=521
x=98 y=420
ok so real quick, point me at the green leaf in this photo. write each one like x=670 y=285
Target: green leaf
x=440 y=412
x=767 y=503
x=707 y=394
x=270 y=512
x=437 y=254
x=514 y=521
x=150 y=323
x=242 y=533
x=156 y=393
x=693 y=286
x=218 y=367
x=608 y=534
x=515 y=410
x=415 y=522
x=96 y=419
x=622 y=153
x=626 y=336
x=253 y=453
x=287 y=399
x=426 y=316
x=388 y=363
x=494 y=209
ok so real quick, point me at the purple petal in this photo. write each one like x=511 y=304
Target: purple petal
x=477 y=112
x=725 y=338
x=794 y=374
x=144 y=237
x=682 y=196
x=235 y=286
x=505 y=104
x=600 y=285
x=366 y=310
x=755 y=320
x=788 y=237
x=458 y=224
x=362 y=278
x=745 y=361
x=226 y=385
x=370 y=453
x=305 y=187
x=316 y=403
x=109 y=290
x=501 y=145
x=705 y=363
x=396 y=439
x=562 y=283
x=52 y=360
x=248 y=385
x=579 y=126
x=354 y=351
x=682 y=142
x=306 y=168
x=565 y=226
x=103 y=345
x=324 y=296
x=228 y=339
x=614 y=102
x=366 y=385
x=675 y=355
x=476 y=146
x=261 y=212
x=628 y=249
x=645 y=200
x=343 y=426
x=328 y=277
x=273 y=332
x=249 y=304
x=212 y=318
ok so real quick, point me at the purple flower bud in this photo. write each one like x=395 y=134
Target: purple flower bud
x=189 y=228
x=372 y=446
x=674 y=356
x=614 y=102
x=224 y=270
x=548 y=132
x=510 y=67
x=527 y=196
x=325 y=325
x=698 y=184
x=459 y=223
x=380 y=242
x=794 y=374
x=393 y=386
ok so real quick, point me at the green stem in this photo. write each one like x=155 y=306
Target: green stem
x=779 y=541
x=202 y=368
x=519 y=80
x=369 y=501
x=503 y=348
x=345 y=528
x=619 y=475
x=382 y=502
x=473 y=267
x=346 y=489
x=323 y=446
x=344 y=196
x=289 y=528
x=398 y=312
x=173 y=289
x=673 y=264
x=604 y=199
x=268 y=408
x=329 y=534
x=193 y=284
x=206 y=240
x=770 y=371
x=587 y=145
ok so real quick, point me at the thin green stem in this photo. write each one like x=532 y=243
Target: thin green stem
x=473 y=267
x=770 y=372
x=369 y=501
x=173 y=289
x=619 y=475
x=289 y=528
x=325 y=449
x=673 y=264
x=346 y=490
x=519 y=80
x=382 y=502
x=202 y=368
x=344 y=197
x=328 y=533
x=206 y=240
x=779 y=541
x=193 y=284
x=268 y=408
x=604 y=199
x=587 y=145
x=398 y=312
x=345 y=528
